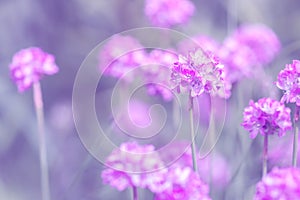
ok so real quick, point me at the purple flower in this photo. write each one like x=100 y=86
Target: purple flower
x=279 y=184
x=183 y=183
x=158 y=68
x=267 y=116
x=120 y=55
x=198 y=72
x=211 y=48
x=133 y=165
x=30 y=65
x=249 y=46
x=289 y=80
x=166 y=13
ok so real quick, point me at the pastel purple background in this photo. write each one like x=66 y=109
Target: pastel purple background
x=69 y=30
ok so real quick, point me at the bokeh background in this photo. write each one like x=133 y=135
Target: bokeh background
x=70 y=30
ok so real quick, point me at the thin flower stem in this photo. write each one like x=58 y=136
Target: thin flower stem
x=295 y=147
x=38 y=102
x=265 y=155
x=193 y=145
x=135 y=193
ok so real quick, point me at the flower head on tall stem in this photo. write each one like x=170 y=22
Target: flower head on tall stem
x=197 y=72
x=288 y=80
x=166 y=13
x=279 y=184
x=267 y=117
x=29 y=65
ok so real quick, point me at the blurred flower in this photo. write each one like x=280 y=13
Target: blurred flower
x=279 y=184
x=166 y=13
x=289 y=80
x=133 y=165
x=199 y=72
x=120 y=55
x=267 y=116
x=183 y=183
x=249 y=46
x=157 y=72
x=30 y=65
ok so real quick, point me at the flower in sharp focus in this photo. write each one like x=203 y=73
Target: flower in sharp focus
x=30 y=65
x=279 y=184
x=166 y=13
x=198 y=72
x=133 y=165
x=211 y=48
x=288 y=80
x=183 y=183
x=267 y=116
x=156 y=71
x=120 y=55
x=249 y=46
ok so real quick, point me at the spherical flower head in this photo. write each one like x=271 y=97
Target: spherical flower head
x=183 y=183
x=197 y=72
x=133 y=165
x=288 y=80
x=29 y=65
x=120 y=55
x=166 y=13
x=279 y=184
x=211 y=48
x=249 y=46
x=267 y=116
x=156 y=71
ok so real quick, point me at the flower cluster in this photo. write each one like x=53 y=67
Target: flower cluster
x=279 y=184
x=166 y=13
x=249 y=46
x=211 y=48
x=199 y=72
x=289 y=80
x=133 y=165
x=30 y=65
x=183 y=183
x=267 y=116
x=120 y=55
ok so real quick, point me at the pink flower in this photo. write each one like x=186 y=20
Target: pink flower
x=279 y=184
x=183 y=183
x=249 y=46
x=30 y=65
x=120 y=55
x=133 y=165
x=166 y=13
x=211 y=48
x=289 y=80
x=267 y=116
x=198 y=72
x=158 y=68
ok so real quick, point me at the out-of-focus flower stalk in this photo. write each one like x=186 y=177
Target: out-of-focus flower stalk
x=265 y=156
x=135 y=193
x=193 y=145
x=38 y=102
x=296 y=133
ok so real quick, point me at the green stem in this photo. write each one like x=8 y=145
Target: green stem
x=38 y=102
x=193 y=145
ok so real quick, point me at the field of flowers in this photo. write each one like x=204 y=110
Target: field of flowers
x=149 y=100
